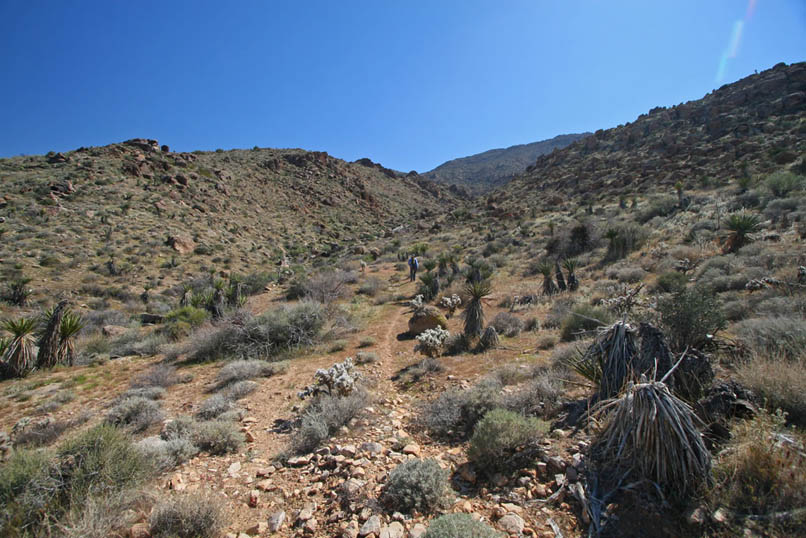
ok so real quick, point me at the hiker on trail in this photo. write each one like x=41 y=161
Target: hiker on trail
x=414 y=264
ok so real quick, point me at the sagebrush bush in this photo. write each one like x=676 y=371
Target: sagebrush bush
x=541 y=397
x=136 y=413
x=507 y=324
x=244 y=336
x=659 y=207
x=781 y=183
x=180 y=427
x=624 y=239
x=583 y=320
x=420 y=485
x=689 y=316
x=779 y=337
x=241 y=370
x=217 y=437
x=165 y=455
x=328 y=286
x=499 y=434
x=371 y=286
x=187 y=516
x=454 y=413
x=460 y=526
x=324 y=416
x=671 y=282
x=160 y=375
x=240 y=389
x=149 y=393
x=366 y=357
x=214 y=406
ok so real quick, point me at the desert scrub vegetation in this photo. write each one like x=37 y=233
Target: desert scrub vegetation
x=690 y=317
x=783 y=337
x=460 y=526
x=186 y=516
x=420 y=485
x=40 y=489
x=135 y=412
x=242 y=370
x=582 y=320
x=763 y=473
x=507 y=324
x=244 y=336
x=499 y=434
x=779 y=383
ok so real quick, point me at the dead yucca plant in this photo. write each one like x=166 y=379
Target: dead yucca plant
x=608 y=361
x=651 y=432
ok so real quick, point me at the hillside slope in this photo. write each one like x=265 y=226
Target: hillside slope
x=148 y=215
x=484 y=171
x=748 y=127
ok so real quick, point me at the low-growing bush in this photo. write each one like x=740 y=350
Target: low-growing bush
x=689 y=316
x=541 y=397
x=507 y=324
x=420 y=485
x=217 y=437
x=165 y=455
x=460 y=526
x=240 y=389
x=241 y=370
x=366 y=357
x=371 y=286
x=499 y=434
x=161 y=375
x=624 y=239
x=779 y=383
x=659 y=207
x=136 y=413
x=455 y=413
x=187 y=516
x=324 y=416
x=671 y=282
x=781 y=183
x=213 y=406
x=367 y=341
x=180 y=427
x=583 y=320
x=149 y=393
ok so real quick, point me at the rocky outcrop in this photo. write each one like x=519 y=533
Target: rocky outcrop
x=427 y=317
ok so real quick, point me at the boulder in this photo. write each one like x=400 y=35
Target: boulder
x=181 y=243
x=113 y=330
x=428 y=317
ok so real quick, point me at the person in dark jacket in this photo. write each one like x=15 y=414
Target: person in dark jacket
x=414 y=264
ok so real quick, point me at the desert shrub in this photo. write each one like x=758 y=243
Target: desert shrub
x=779 y=383
x=764 y=471
x=244 y=336
x=456 y=344
x=41 y=434
x=499 y=434
x=689 y=316
x=624 y=239
x=432 y=341
x=546 y=341
x=782 y=183
x=541 y=397
x=420 y=485
x=134 y=343
x=777 y=209
x=782 y=306
x=95 y=319
x=324 y=416
x=180 y=427
x=217 y=437
x=149 y=393
x=338 y=345
x=507 y=324
x=659 y=207
x=511 y=374
x=455 y=413
x=570 y=242
x=781 y=337
x=736 y=309
x=179 y=322
x=459 y=526
x=366 y=357
x=187 y=516
x=560 y=309
x=367 y=341
x=328 y=286
x=241 y=370
x=629 y=275
x=583 y=320
x=240 y=389
x=26 y=488
x=137 y=413
x=165 y=455
x=213 y=406
x=161 y=375
x=255 y=283
x=671 y=282
x=371 y=286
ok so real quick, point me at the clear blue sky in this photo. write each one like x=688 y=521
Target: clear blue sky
x=409 y=84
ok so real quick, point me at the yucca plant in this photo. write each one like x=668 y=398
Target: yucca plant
x=428 y=286
x=741 y=226
x=489 y=339
x=187 y=295
x=17 y=291
x=654 y=434
x=19 y=355
x=474 y=309
x=558 y=274
x=447 y=262
x=570 y=266
x=48 y=355
x=70 y=327
x=549 y=287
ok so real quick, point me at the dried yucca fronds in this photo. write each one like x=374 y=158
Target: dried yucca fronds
x=653 y=433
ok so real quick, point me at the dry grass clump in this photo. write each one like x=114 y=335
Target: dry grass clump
x=652 y=433
x=217 y=437
x=781 y=384
x=507 y=324
x=762 y=472
x=582 y=321
x=187 y=516
x=161 y=375
x=779 y=336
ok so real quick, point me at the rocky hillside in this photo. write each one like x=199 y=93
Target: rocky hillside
x=487 y=170
x=746 y=128
x=136 y=214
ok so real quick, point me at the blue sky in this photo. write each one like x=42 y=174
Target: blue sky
x=408 y=84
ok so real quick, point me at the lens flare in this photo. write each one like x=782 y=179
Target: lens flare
x=732 y=49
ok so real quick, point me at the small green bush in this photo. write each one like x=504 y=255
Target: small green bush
x=187 y=516
x=671 y=282
x=213 y=406
x=454 y=413
x=781 y=183
x=240 y=389
x=507 y=324
x=166 y=455
x=420 y=485
x=660 y=207
x=217 y=437
x=582 y=320
x=460 y=526
x=324 y=416
x=137 y=413
x=689 y=316
x=624 y=239
x=499 y=434
x=241 y=370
